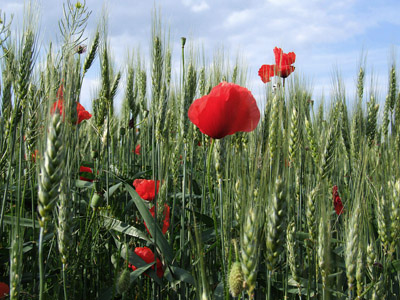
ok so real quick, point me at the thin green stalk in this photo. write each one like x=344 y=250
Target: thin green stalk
x=226 y=289
x=183 y=214
x=269 y=272
x=108 y=152
x=64 y=282
x=210 y=188
x=13 y=125
x=41 y=265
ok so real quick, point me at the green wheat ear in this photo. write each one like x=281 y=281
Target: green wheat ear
x=275 y=225
x=51 y=169
x=64 y=226
x=291 y=249
x=351 y=247
x=249 y=253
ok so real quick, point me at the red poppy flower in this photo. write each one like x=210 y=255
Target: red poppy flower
x=146 y=188
x=87 y=170
x=137 y=149
x=266 y=72
x=59 y=104
x=227 y=109
x=4 y=290
x=147 y=255
x=83 y=114
x=166 y=221
x=337 y=202
x=283 y=62
x=283 y=66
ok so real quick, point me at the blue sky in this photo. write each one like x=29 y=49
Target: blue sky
x=327 y=36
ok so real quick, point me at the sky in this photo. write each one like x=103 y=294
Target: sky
x=328 y=37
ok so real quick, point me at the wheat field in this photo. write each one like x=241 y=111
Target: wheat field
x=300 y=202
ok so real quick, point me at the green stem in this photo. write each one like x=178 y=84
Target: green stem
x=87 y=231
x=221 y=211
x=41 y=266
x=13 y=134
x=64 y=282
x=210 y=189
x=268 y=285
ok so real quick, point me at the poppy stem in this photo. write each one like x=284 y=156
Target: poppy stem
x=210 y=189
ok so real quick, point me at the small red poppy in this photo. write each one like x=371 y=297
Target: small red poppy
x=146 y=188
x=283 y=66
x=4 y=290
x=147 y=255
x=283 y=62
x=86 y=170
x=337 y=201
x=166 y=220
x=266 y=72
x=227 y=109
x=83 y=114
x=137 y=149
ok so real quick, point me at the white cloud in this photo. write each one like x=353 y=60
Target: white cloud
x=195 y=5
x=239 y=18
x=200 y=7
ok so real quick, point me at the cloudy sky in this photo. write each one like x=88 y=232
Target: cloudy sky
x=327 y=36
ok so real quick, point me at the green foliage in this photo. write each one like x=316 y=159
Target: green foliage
x=251 y=215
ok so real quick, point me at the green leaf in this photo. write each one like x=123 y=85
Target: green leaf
x=107 y=293
x=22 y=221
x=219 y=291
x=139 y=271
x=111 y=190
x=124 y=228
x=396 y=265
x=139 y=263
x=128 y=207
x=176 y=275
x=87 y=163
x=206 y=220
x=208 y=235
x=83 y=184
x=155 y=231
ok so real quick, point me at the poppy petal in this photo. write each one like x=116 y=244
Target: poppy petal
x=147 y=255
x=227 y=109
x=284 y=71
x=166 y=221
x=83 y=114
x=83 y=169
x=146 y=188
x=4 y=290
x=266 y=72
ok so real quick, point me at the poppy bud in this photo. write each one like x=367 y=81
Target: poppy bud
x=235 y=280
x=132 y=123
x=124 y=282
x=122 y=131
x=97 y=200
x=183 y=41
x=94 y=154
x=80 y=49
